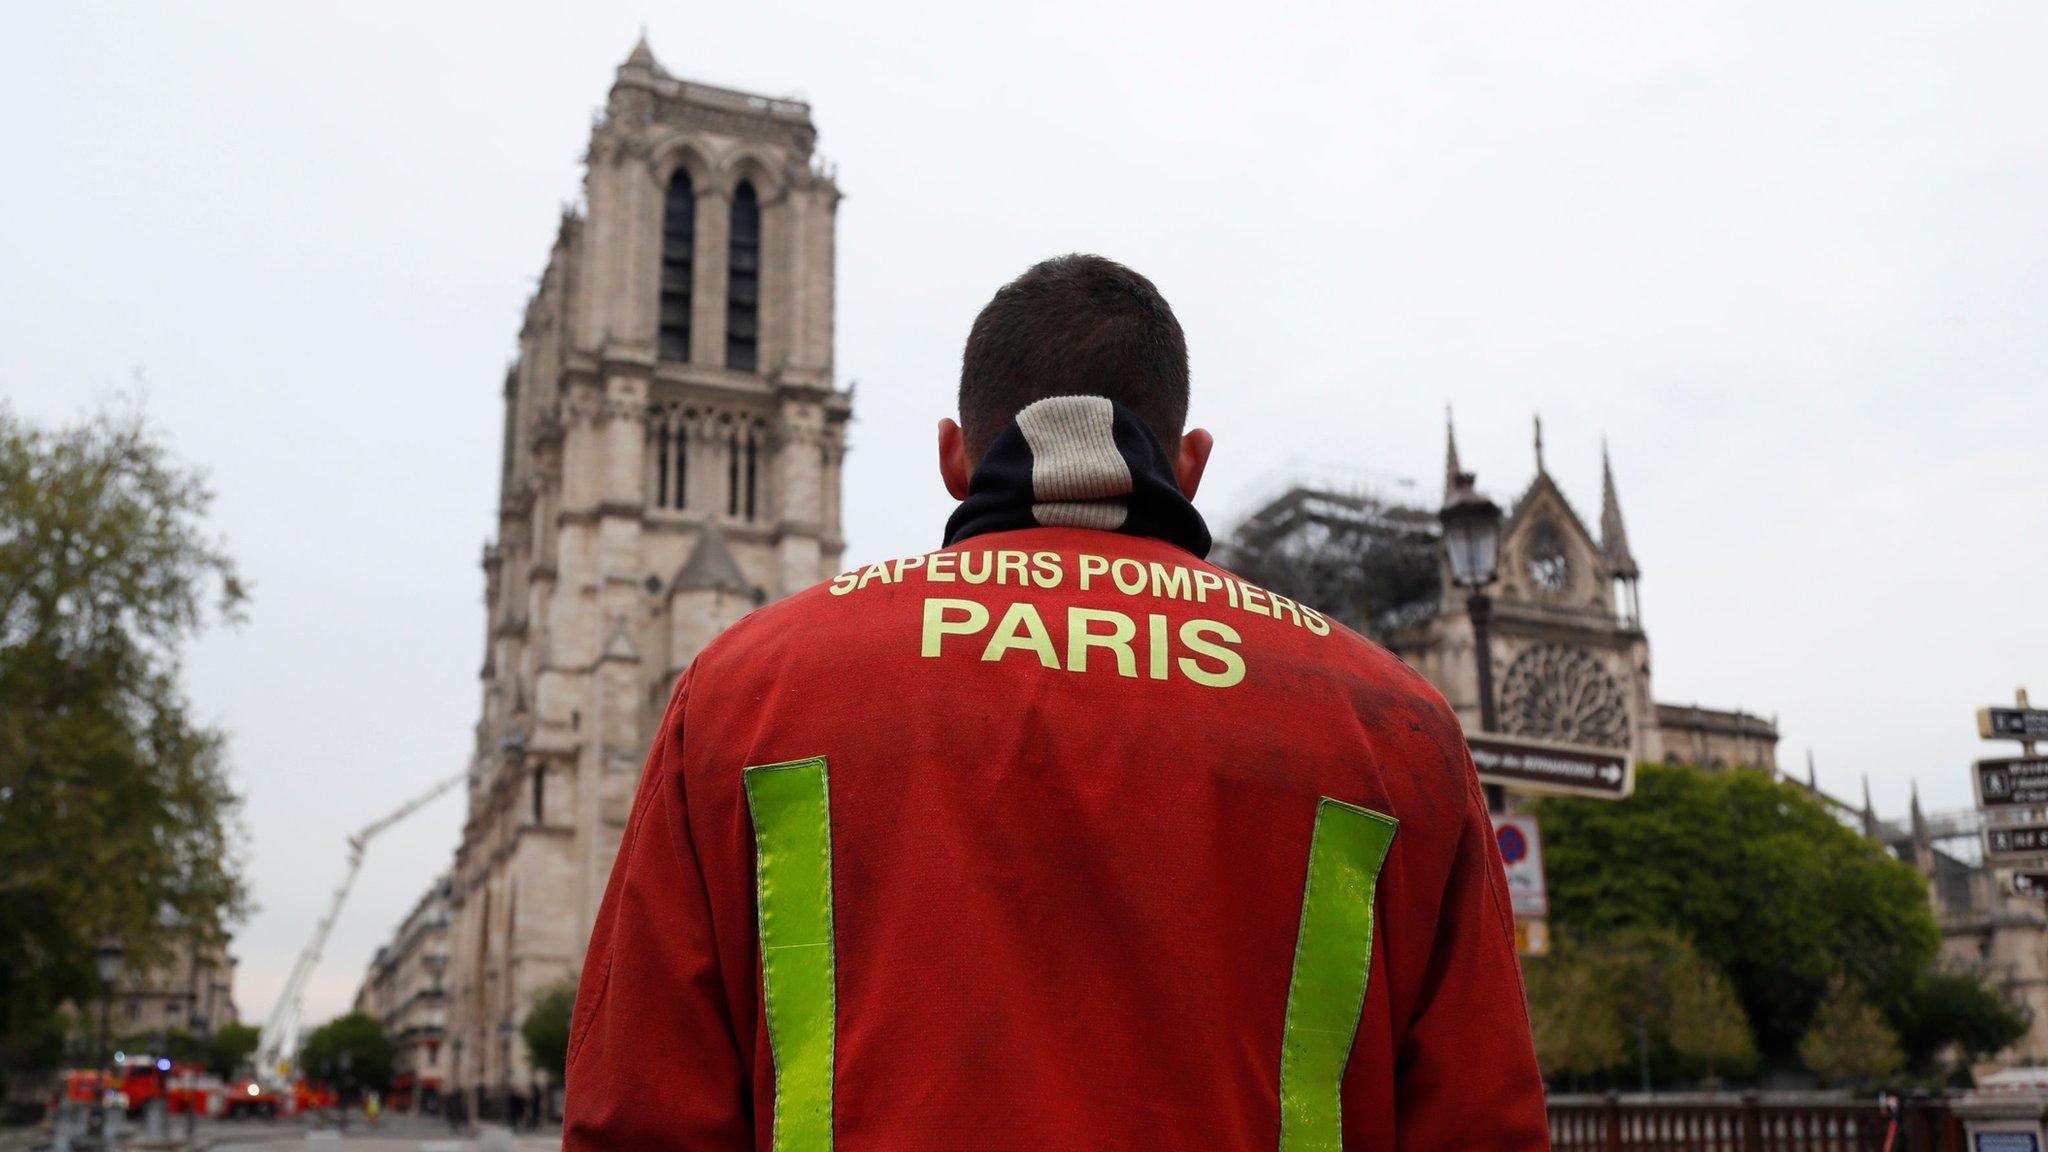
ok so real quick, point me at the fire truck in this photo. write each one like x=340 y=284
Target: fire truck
x=83 y=1086
x=186 y=1089
x=247 y=1098
x=310 y=1095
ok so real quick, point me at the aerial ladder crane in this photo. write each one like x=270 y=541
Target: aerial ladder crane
x=279 y=1040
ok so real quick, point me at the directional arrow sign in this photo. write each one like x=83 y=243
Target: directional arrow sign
x=1528 y=765
x=2013 y=723
x=2017 y=782
x=2016 y=842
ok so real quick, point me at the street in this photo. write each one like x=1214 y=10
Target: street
x=389 y=1134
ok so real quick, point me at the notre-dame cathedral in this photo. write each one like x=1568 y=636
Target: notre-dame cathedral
x=1571 y=657
x=673 y=438
x=1570 y=654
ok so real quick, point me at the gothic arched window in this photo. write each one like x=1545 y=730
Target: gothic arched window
x=682 y=467
x=672 y=464
x=732 y=473
x=742 y=472
x=752 y=469
x=678 y=244
x=661 y=458
x=743 y=280
x=1550 y=564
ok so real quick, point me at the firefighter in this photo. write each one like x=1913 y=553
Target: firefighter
x=1058 y=837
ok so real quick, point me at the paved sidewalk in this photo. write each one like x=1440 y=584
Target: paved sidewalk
x=404 y=1137
x=391 y=1134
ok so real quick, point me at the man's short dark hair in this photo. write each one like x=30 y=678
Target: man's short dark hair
x=1074 y=326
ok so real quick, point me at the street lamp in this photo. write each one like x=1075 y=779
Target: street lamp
x=1471 y=534
x=1472 y=543
x=344 y=1081
x=505 y=1067
x=107 y=960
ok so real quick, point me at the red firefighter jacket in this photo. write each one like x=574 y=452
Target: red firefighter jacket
x=1056 y=838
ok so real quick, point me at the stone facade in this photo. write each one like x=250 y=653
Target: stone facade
x=405 y=990
x=672 y=454
x=1986 y=927
x=1716 y=737
x=191 y=990
x=1571 y=659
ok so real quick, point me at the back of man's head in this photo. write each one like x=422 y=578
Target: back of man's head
x=1074 y=326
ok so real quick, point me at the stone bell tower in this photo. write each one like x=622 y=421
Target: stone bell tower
x=672 y=451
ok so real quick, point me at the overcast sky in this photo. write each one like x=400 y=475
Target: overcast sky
x=1791 y=259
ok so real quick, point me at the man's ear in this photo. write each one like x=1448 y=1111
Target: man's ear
x=1192 y=460
x=954 y=466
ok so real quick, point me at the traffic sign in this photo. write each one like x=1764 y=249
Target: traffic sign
x=2012 y=723
x=2012 y=782
x=1528 y=765
x=2030 y=883
x=1521 y=853
x=2016 y=842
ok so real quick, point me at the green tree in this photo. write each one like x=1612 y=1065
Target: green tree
x=1610 y=1002
x=230 y=1047
x=546 y=1030
x=350 y=1053
x=116 y=817
x=39 y=1044
x=1769 y=887
x=1959 y=1009
x=1705 y=1022
x=1849 y=1042
x=1573 y=1013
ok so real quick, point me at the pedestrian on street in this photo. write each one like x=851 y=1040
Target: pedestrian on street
x=1059 y=836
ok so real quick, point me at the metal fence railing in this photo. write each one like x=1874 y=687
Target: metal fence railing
x=1752 y=1124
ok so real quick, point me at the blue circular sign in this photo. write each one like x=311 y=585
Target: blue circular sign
x=1513 y=845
